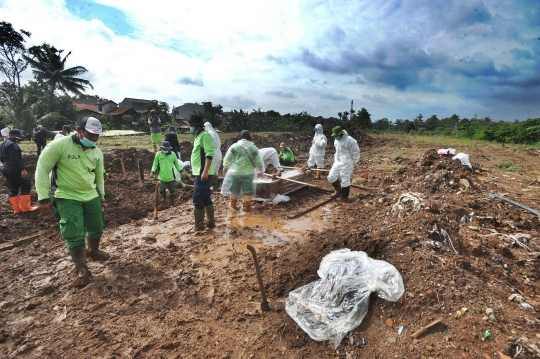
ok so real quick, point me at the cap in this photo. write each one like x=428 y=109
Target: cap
x=282 y=144
x=171 y=128
x=245 y=135
x=91 y=125
x=17 y=133
x=165 y=145
x=196 y=120
x=337 y=131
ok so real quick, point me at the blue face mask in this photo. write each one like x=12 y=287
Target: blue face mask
x=192 y=130
x=338 y=138
x=87 y=143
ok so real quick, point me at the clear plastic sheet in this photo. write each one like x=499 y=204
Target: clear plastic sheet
x=242 y=161
x=464 y=158
x=329 y=308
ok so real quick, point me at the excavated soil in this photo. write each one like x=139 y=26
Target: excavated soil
x=166 y=293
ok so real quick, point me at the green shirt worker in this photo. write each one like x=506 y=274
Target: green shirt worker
x=80 y=193
x=154 y=122
x=202 y=168
x=164 y=162
x=286 y=155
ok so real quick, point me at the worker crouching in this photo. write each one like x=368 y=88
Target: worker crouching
x=347 y=154
x=164 y=162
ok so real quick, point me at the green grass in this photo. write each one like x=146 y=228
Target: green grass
x=507 y=165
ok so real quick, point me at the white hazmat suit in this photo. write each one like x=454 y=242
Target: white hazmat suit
x=218 y=156
x=269 y=155
x=347 y=154
x=318 y=148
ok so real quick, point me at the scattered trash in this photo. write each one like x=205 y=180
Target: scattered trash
x=487 y=334
x=514 y=203
x=446 y=151
x=327 y=309
x=413 y=197
x=464 y=158
x=400 y=330
x=280 y=198
x=463 y=182
x=439 y=234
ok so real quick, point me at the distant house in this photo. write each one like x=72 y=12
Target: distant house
x=106 y=106
x=138 y=105
x=329 y=122
x=86 y=110
x=183 y=112
x=117 y=114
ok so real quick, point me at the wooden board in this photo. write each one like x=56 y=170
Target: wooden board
x=268 y=188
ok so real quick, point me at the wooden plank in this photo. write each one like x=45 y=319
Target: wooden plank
x=311 y=208
x=424 y=328
x=13 y=244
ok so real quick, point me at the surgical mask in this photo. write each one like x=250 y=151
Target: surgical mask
x=192 y=130
x=165 y=151
x=10 y=127
x=87 y=143
x=39 y=126
x=338 y=138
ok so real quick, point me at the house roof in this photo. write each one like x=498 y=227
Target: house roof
x=106 y=101
x=120 y=110
x=137 y=100
x=85 y=106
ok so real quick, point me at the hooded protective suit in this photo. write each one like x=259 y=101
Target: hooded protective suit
x=241 y=162
x=318 y=148
x=218 y=156
x=347 y=154
x=269 y=155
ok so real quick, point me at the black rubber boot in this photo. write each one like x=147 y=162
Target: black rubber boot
x=210 y=216
x=82 y=274
x=164 y=195
x=93 y=250
x=199 y=220
x=171 y=199
x=337 y=186
x=345 y=192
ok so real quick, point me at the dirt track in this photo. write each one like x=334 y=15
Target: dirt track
x=166 y=293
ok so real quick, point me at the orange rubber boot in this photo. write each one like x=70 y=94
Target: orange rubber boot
x=247 y=203
x=25 y=204
x=232 y=203
x=15 y=204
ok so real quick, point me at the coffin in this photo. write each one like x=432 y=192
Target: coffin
x=267 y=188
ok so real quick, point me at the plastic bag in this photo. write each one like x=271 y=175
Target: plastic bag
x=242 y=162
x=177 y=175
x=464 y=158
x=329 y=308
x=280 y=198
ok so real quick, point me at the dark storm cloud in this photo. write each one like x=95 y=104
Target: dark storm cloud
x=190 y=81
x=281 y=94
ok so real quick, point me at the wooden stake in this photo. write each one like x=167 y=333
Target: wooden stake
x=366 y=188
x=13 y=244
x=123 y=168
x=423 y=329
x=156 y=195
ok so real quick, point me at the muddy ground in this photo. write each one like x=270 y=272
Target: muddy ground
x=166 y=293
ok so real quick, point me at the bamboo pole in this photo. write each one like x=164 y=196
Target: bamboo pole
x=292 y=216
x=302 y=183
x=366 y=188
x=311 y=169
x=156 y=195
x=123 y=168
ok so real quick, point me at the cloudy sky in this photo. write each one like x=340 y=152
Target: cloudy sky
x=396 y=58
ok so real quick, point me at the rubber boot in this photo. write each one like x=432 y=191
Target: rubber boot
x=345 y=193
x=247 y=203
x=15 y=204
x=25 y=203
x=164 y=195
x=336 y=186
x=82 y=274
x=318 y=175
x=210 y=216
x=171 y=199
x=232 y=202
x=93 y=250
x=199 y=220
x=215 y=182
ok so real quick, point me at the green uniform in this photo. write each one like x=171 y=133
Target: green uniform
x=80 y=188
x=286 y=155
x=202 y=147
x=165 y=162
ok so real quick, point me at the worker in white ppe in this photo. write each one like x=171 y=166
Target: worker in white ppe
x=218 y=156
x=269 y=155
x=317 y=150
x=347 y=154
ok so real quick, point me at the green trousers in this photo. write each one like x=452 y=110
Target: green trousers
x=77 y=217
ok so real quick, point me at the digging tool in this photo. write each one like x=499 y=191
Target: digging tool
x=302 y=183
x=292 y=216
x=264 y=303
x=156 y=195
x=141 y=170
x=123 y=168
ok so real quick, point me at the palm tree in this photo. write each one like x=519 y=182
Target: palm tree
x=340 y=114
x=345 y=115
x=49 y=68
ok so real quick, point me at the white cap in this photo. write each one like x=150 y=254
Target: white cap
x=91 y=125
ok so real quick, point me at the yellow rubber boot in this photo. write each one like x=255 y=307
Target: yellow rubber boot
x=318 y=175
x=15 y=204
x=247 y=203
